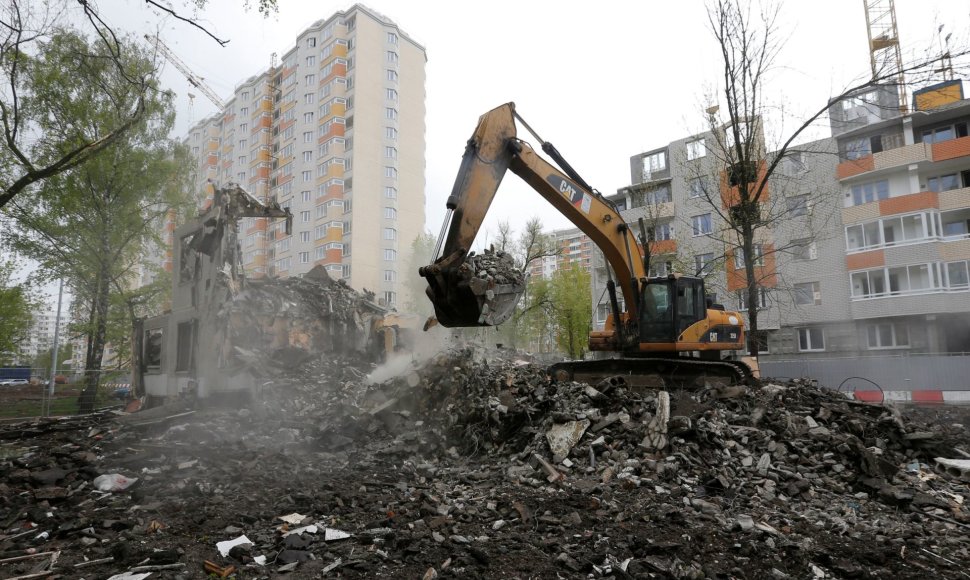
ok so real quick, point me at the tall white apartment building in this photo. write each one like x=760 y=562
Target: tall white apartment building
x=335 y=133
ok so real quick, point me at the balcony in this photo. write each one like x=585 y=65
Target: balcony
x=951 y=149
x=896 y=157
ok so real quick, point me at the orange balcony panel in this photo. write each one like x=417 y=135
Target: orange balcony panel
x=334 y=235
x=951 y=149
x=730 y=196
x=340 y=50
x=908 y=203
x=765 y=275
x=663 y=247
x=333 y=256
x=865 y=260
x=335 y=131
x=339 y=70
x=284 y=180
x=262 y=173
x=287 y=124
x=854 y=167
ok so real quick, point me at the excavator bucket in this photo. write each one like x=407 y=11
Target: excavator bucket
x=481 y=291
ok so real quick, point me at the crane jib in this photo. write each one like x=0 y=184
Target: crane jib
x=576 y=196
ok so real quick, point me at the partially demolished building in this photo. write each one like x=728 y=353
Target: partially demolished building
x=224 y=329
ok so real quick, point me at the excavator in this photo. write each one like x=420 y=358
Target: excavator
x=666 y=326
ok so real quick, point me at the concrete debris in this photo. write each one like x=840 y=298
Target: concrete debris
x=449 y=469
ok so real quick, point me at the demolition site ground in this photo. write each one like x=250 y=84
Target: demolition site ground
x=475 y=465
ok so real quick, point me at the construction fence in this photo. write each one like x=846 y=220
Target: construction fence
x=35 y=399
x=886 y=373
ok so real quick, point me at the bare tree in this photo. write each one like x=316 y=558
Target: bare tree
x=750 y=44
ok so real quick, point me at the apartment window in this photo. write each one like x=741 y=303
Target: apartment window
x=288 y=133
x=391 y=95
x=810 y=339
x=657 y=196
x=304 y=257
x=887 y=335
x=390 y=132
x=957 y=275
x=391 y=56
x=696 y=149
x=309 y=80
x=307 y=176
x=311 y=60
x=943 y=182
x=320 y=253
x=869 y=192
x=305 y=195
x=308 y=137
x=660 y=268
x=759 y=258
x=390 y=152
x=305 y=236
x=309 y=98
x=345 y=270
x=696 y=187
x=857 y=148
x=283 y=245
x=185 y=355
x=307 y=117
x=390 y=192
x=304 y=216
x=804 y=250
x=390 y=298
x=308 y=156
x=653 y=163
x=390 y=113
x=808 y=293
x=797 y=205
x=390 y=255
x=940 y=134
x=390 y=213
x=345 y=249
x=391 y=38
x=661 y=232
x=743 y=299
x=244 y=127
x=890 y=231
x=702 y=224
x=703 y=263
x=392 y=75
x=390 y=172
x=390 y=275
x=390 y=234
x=311 y=42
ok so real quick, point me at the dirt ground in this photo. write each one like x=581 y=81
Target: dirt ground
x=449 y=471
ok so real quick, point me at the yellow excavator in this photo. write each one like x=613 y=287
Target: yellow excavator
x=666 y=326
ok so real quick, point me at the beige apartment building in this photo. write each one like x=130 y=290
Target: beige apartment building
x=335 y=133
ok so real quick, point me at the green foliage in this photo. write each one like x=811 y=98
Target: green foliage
x=16 y=305
x=65 y=350
x=416 y=302
x=65 y=101
x=572 y=309
x=92 y=224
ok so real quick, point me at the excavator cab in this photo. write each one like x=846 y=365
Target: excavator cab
x=669 y=305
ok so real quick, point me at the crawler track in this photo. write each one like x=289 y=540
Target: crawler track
x=674 y=370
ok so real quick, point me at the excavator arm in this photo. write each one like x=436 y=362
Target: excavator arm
x=493 y=149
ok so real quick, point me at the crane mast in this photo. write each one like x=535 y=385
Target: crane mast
x=195 y=80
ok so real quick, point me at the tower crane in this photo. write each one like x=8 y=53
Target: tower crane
x=195 y=80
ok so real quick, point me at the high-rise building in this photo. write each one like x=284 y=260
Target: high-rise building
x=335 y=133
x=572 y=246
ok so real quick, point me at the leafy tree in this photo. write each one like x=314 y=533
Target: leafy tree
x=16 y=304
x=416 y=301
x=91 y=224
x=65 y=350
x=573 y=317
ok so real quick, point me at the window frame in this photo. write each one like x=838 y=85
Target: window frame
x=808 y=330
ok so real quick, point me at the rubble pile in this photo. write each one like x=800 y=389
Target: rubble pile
x=477 y=465
x=282 y=322
x=492 y=265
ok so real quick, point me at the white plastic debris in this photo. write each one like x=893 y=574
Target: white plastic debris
x=293 y=518
x=131 y=576
x=260 y=560
x=332 y=535
x=113 y=482
x=224 y=547
x=311 y=529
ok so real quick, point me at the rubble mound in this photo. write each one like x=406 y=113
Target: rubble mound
x=475 y=464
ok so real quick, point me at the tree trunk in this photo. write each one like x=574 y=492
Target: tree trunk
x=96 y=340
x=751 y=288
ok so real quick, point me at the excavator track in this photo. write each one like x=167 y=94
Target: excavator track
x=642 y=371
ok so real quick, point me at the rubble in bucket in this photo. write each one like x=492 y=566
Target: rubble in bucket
x=474 y=464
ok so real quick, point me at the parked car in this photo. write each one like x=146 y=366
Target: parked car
x=15 y=382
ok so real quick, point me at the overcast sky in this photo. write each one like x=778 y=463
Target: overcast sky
x=602 y=81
